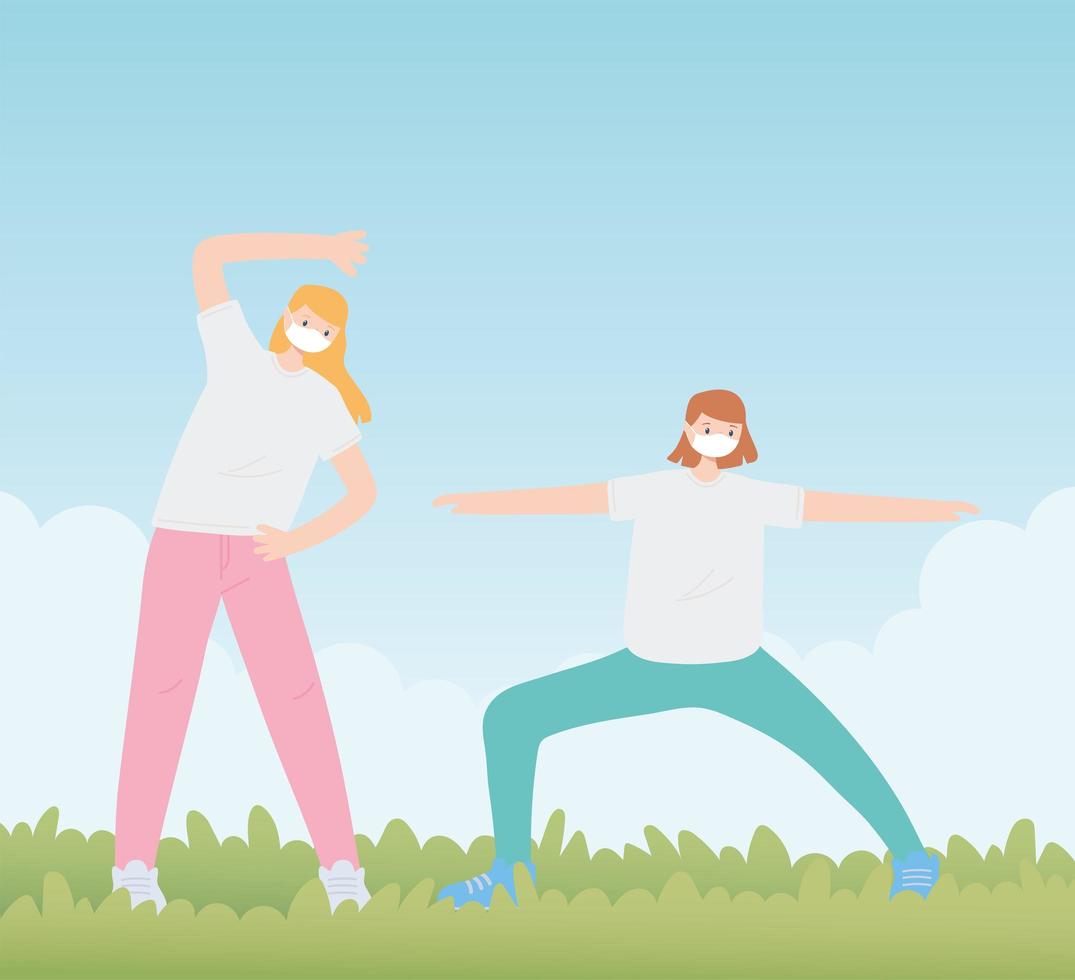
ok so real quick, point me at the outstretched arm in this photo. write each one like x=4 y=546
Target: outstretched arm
x=818 y=506
x=586 y=498
x=343 y=250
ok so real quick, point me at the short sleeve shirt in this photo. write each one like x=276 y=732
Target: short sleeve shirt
x=254 y=437
x=695 y=581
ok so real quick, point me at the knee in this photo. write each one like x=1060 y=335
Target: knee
x=168 y=685
x=496 y=714
x=303 y=689
x=506 y=714
x=500 y=714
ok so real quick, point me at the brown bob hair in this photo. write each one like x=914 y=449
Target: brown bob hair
x=728 y=407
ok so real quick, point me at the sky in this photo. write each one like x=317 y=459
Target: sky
x=858 y=217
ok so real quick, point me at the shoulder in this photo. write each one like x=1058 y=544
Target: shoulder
x=229 y=342
x=752 y=485
x=228 y=311
x=631 y=493
x=632 y=496
x=320 y=388
x=324 y=394
x=778 y=504
x=319 y=383
x=656 y=478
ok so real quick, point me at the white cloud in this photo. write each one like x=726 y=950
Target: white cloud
x=964 y=703
x=69 y=594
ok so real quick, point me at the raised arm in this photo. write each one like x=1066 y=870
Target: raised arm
x=585 y=498
x=818 y=506
x=210 y=255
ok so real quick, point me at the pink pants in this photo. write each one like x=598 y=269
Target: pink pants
x=186 y=575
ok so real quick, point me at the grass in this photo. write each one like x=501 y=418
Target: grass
x=254 y=908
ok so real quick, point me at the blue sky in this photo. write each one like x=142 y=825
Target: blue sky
x=858 y=216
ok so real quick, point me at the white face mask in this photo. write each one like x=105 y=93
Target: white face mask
x=306 y=338
x=715 y=445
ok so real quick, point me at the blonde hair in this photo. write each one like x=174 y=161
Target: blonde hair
x=331 y=306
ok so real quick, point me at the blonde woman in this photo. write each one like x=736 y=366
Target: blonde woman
x=222 y=531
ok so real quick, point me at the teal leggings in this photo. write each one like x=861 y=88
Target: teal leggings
x=756 y=690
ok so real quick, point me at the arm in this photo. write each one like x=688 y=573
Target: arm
x=361 y=493
x=210 y=254
x=585 y=498
x=819 y=506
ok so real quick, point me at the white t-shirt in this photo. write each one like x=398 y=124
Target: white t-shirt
x=254 y=437
x=694 y=588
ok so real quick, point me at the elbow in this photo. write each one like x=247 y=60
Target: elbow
x=206 y=253
x=208 y=244
x=202 y=259
x=361 y=501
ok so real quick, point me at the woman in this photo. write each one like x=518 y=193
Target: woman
x=693 y=629
x=222 y=532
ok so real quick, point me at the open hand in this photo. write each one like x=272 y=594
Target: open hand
x=346 y=249
x=913 y=509
x=948 y=510
x=274 y=543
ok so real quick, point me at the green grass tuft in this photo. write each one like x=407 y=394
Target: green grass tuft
x=256 y=908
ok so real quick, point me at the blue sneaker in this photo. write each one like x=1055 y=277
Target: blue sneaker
x=480 y=887
x=916 y=872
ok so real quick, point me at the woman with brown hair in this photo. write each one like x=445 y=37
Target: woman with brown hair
x=693 y=628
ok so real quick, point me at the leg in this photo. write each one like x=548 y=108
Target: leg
x=180 y=595
x=272 y=637
x=518 y=719
x=762 y=693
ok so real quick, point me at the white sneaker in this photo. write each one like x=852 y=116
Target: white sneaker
x=344 y=882
x=141 y=882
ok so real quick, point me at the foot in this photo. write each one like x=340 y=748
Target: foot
x=141 y=882
x=344 y=883
x=915 y=872
x=480 y=887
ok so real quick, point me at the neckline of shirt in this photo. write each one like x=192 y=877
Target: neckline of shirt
x=286 y=374
x=704 y=483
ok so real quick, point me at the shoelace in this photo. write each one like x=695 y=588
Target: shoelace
x=480 y=880
x=142 y=884
x=140 y=892
x=916 y=876
x=342 y=885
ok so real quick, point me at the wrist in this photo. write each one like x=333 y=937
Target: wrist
x=296 y=541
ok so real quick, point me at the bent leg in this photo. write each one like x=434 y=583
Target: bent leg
x=179 y=601
x=272 y=638
x=517 y=720
x=762 y=693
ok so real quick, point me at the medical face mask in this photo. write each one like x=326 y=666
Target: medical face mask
x=716 y=444
x=306 y=338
